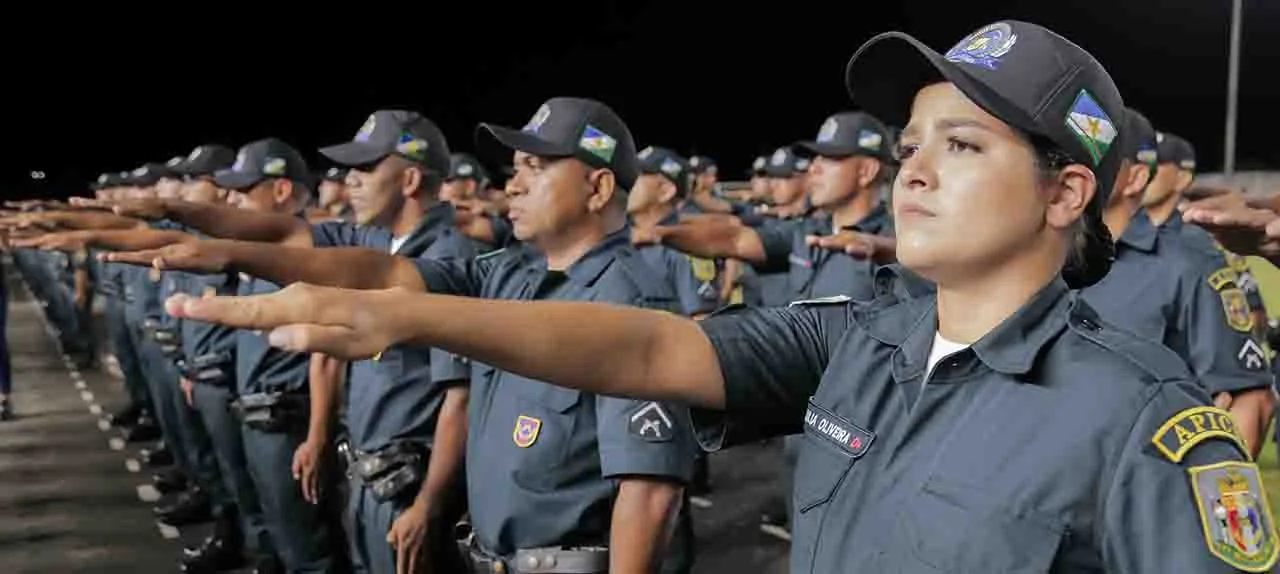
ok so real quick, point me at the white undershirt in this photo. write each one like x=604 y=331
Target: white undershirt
x=942 y=349
x=396 y=242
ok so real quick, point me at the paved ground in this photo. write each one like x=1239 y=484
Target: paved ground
x=72 y=497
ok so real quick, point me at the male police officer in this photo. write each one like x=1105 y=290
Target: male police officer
x=542 y=462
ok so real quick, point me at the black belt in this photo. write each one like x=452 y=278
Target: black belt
x=273 y=412
x=213 y=369
x=555 y=560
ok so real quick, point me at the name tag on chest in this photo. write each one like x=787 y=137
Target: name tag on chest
x=836 y=430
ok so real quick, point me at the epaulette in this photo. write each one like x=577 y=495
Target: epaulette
x=1156 y=360
x=832 y=300
x=491 y=254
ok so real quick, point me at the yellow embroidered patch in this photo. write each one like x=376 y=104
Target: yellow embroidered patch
x=1238 y=525
x=1222 y=278
x=1236 y=308
x=703 y=269
x=1193 y=426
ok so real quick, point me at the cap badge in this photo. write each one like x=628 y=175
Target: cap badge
x=779 y=157
x=695 y=161
x=466 y=169
x=195 y=153
x=412 y=146
x=102 y=178
x=802 y=164
x=870 y=140
x=645 y=153
x=1159 y=137
x=141 y=171
x=366 y=130
x=1091 y=125
x=273 y=166
x=671 y=167
x=984 y=47
x=174 y=161
x=1148 y=156
x=758 y=164
x=241 y=158
x=539 y=118
x=333 y=172
x=597 y=143
x=1187 y=164
x=828 y=130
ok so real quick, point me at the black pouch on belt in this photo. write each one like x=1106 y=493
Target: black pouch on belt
x=391 y=471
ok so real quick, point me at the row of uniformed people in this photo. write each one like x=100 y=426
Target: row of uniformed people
x=1191 y=303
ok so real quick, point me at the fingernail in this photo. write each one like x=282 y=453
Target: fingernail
x=277 y=338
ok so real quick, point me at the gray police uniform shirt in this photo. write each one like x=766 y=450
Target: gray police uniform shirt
x=819 y=272
x=1164 y=291
x=1041 y=448
x=199 y=338
x=398 y=395
x=542 y=460
x=694 y=278
x=261 y=368
x=772 y=281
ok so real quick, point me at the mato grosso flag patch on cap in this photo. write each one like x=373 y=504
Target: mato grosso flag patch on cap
x=1091 y=125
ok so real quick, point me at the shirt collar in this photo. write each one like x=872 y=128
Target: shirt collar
x=1011 y=348
x=1141 y=233
x=591 y=265
x=875 y=221
x=437 y=218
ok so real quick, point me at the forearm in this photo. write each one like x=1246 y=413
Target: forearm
x=447 y=451
x=135 y=239
x=325 y=377
x=714 y=239
x=604 y=349
x=643 y=514
x=346 y=267
x=94 y=220
x=228 y=222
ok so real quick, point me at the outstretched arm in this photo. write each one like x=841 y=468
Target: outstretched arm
x=223 y=221
x=605 y=349
x=347 y=267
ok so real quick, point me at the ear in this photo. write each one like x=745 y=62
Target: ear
x=411 y=180
x=1139 y=177
x=603 y=188
x=282 y=191
x=868 y=169
x=668 y=192
x=1073 y=189
x=1185 y=178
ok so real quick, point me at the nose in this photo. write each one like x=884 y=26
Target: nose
x=917 y=172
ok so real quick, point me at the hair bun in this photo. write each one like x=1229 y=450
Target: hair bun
x=1093 y=254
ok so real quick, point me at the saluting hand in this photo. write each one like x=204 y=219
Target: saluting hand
x=1239 y=228
x=851 y=242
x=344 y=323
x=149 y=208
x=197 y=256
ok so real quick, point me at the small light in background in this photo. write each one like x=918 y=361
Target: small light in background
x=37 y=175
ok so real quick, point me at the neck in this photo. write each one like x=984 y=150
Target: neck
x=651 y=216
x=1118 y=216
x=408 y=218
x=1162 y=212
x=851 y=212
x=793 y=209
x=967 y=312
x=568 y=247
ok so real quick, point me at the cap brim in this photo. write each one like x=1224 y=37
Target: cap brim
x=353 y=153
x=811 y=149
x=884 y=75
x=236 y=180
x=510 y=140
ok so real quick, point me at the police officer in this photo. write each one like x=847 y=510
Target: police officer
x=331 y=198
x=558 y=480
x=1164 y=290
x=999 y=426
x=465 y=180
x=664 y=182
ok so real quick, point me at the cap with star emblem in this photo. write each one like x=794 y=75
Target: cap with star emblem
x=700 y=164
x=1173 y=149
x=205 y=160
x=573 y=127
x=1023 y=74
x=758 y=166
x=668 y=164
x=268 y=158
x=148 y=175
x=464 y=166
x=785 y=163
x=334 y=174
x=848 y=134
x=394 y=132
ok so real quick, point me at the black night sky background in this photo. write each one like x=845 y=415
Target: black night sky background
x=91 y=92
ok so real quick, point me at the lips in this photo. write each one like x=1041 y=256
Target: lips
x=913 y=209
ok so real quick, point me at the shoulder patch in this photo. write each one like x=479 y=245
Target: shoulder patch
x=1235 y=515
x=832 y=300
x=651 y=423
x=1183 y=431
x=1236 y=308
x=1221 y=278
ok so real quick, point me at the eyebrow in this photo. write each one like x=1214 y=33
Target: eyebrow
x=947 y=124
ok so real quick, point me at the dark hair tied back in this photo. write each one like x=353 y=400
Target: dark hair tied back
x=1092 y=252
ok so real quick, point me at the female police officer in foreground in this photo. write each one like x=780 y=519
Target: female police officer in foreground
x=999 y=426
